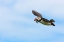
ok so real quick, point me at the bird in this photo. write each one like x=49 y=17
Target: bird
x=42 y=20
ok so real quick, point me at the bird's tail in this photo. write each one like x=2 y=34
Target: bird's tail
x=53 y=24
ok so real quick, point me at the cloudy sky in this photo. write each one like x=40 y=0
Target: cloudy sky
x=17 y=21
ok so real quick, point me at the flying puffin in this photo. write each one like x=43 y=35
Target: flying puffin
x=42 y=20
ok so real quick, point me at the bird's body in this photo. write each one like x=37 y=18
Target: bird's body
x=45 y=23
x=42 y=20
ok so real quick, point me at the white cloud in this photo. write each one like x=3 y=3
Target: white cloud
x=53 y=7
x=6 y=1
x=33 y=31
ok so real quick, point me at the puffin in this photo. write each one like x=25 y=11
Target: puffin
x=42 y=20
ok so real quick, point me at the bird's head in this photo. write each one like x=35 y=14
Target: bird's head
x=38 y=18
x=35 y=19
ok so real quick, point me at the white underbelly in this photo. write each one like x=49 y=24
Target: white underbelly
x=45 y=23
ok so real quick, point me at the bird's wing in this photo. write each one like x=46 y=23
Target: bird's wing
x=36 y=13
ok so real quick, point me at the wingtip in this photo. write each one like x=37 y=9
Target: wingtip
x=32 y=10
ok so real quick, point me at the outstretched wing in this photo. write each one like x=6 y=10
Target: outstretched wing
x=36 y=13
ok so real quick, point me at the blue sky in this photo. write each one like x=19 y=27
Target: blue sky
x=17 y=21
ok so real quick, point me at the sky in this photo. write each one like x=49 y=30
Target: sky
x=17 y=21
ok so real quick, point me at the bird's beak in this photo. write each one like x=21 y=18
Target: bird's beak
x=34 y=19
